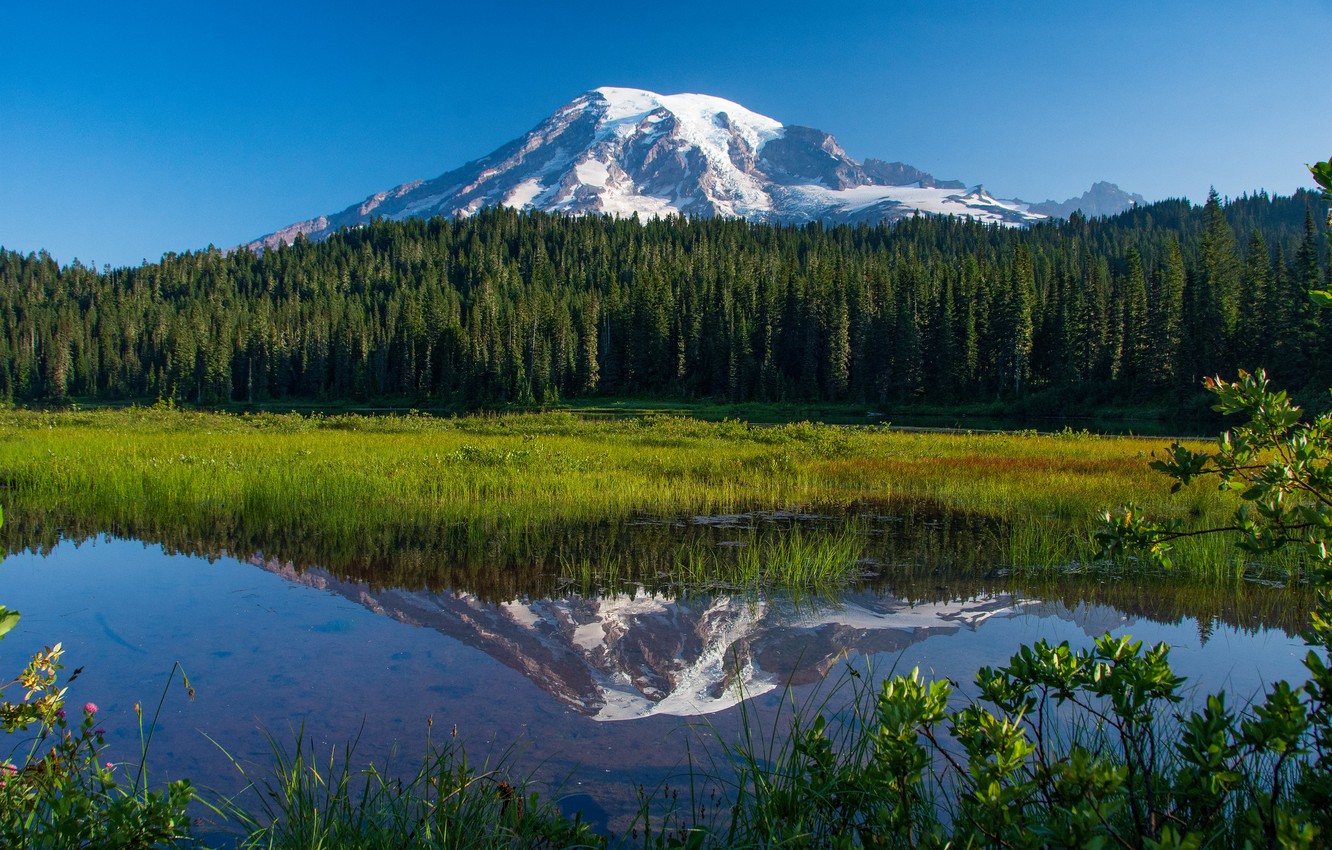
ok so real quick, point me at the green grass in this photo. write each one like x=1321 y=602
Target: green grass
x=1043 y=411
x=785 y=558
x=993 y=416
x=504 y=488
x=312 y=801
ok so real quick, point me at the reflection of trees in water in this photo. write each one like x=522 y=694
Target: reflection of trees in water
x=912 y=550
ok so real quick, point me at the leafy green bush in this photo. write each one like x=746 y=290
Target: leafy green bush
x=1060 y=748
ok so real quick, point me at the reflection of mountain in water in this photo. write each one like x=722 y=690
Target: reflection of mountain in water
x=630 y=656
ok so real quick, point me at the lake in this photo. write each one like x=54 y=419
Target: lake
x=595 y=692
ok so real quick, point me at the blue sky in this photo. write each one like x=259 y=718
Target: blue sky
x=131 y=129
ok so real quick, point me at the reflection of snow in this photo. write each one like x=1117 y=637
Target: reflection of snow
x=589 y=636
x=1094 y=620
x=638 y=655
x=651 y=655
x=929 y=615
x=522 y=614
x=712 y=682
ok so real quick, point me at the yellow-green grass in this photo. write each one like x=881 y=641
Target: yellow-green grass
x=349 y=479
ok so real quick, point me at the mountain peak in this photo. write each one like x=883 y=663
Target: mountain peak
x=1103 y=198
x=627 y=103
x=624 y=151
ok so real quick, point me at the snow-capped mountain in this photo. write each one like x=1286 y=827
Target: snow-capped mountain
x=622 y=151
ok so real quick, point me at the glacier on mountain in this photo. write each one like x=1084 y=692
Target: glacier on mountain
x=624 y=152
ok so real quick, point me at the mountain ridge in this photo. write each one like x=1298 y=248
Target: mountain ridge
x=623 y=151
x=1103 y=198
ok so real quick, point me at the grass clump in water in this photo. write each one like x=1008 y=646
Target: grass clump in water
x=311 y=803
x=786 y=557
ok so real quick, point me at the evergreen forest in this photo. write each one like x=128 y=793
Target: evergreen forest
x=516 y=308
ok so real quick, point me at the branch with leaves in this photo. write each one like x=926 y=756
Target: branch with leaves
x=1322 y=175
x=1281 y=467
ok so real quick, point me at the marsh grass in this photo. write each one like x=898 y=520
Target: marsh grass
x=307 y=801
x=350 y=479
x=786 y=557
x=1044 y=543
x=527 y=468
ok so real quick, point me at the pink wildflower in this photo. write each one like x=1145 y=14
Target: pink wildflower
x=8 y=767
x=91 y=708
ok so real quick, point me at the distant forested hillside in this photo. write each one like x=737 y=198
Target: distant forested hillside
x=510 y=307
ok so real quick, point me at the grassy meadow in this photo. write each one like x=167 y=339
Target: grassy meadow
x=499 y=485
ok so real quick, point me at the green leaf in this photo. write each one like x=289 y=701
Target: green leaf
x=1322 y=174
x=8 y=620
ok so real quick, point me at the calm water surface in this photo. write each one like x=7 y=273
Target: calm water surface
x=593 y=695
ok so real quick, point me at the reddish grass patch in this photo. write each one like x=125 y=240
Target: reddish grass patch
x=978 y=466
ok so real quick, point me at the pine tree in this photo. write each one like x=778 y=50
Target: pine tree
x=1253 y=330
x=1018 y=322
x=506 y=306
x=1137 y=335
x=1216 y=295
x=589 y=369
x=1166 y=319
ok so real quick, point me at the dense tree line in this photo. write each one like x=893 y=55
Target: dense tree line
x=510 y=307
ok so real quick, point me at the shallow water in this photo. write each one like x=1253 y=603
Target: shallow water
x=594 y=695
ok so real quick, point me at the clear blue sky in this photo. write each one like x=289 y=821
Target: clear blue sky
x=131 y=129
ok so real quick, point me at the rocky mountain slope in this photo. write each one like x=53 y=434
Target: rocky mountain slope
x=622 y=151
x=1101 y=199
